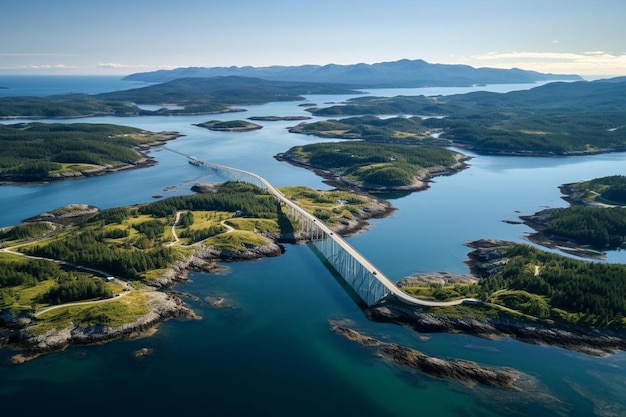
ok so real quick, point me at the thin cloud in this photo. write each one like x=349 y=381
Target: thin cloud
x=40 y=67
x=583 y=63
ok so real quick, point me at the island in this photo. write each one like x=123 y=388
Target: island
x=531 y=294
x=80 y=275
x=39 y=152
x=375 y=167
x=190 y=96
x=230 y=126
x=595 y=221
x=555 y=119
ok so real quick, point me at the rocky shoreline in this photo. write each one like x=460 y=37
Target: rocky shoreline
x=482 y=260
x=144 y=162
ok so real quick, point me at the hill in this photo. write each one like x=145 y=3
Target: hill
x=402 y=73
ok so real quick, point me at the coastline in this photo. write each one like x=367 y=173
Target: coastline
x=484 y=257
x=166 y=302
x=420 y=183
x=144 y=162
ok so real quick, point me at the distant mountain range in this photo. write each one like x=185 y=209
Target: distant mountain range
x=403 y=73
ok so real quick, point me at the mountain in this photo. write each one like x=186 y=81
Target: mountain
x=403 y=73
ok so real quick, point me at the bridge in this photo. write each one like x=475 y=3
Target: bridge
x=368 y=282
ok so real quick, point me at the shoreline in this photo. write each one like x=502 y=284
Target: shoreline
x=168 y=304
x=420 y=182
x=481 y=260
x=144 y=162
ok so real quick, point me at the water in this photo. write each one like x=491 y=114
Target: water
x=272 y=352
x=47 y=85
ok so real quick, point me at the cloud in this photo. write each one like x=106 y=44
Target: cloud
x=119 y=66
x=39 y=67
x=583 y=63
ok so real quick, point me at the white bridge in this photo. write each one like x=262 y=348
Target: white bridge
x=367 y=281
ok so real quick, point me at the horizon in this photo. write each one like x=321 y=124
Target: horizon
x=119 y=38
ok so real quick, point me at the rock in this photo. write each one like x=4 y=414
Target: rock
x=461 y=370
x=142 y=353
x=355 y=336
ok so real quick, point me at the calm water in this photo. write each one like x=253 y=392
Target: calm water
x=271 y=352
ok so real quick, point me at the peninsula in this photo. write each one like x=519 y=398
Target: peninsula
x=98 y=275
x=40 y=152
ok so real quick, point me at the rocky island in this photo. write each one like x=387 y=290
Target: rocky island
x=230 y=126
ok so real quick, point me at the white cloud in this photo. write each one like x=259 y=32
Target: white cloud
x=583 y=63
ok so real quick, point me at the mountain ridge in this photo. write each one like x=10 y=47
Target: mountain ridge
x=401 y=73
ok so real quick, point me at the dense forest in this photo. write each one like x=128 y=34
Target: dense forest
x=43 y=150
x=596 y=226
x=547 y=285
x=374 y=165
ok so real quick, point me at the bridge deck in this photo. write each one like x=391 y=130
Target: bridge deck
x=390 y=287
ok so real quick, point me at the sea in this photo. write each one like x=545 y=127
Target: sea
x=270 y=351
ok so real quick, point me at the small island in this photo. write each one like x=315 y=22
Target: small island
x=230 y=126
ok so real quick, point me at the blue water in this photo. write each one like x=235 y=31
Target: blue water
x=271 y=352
x=47 y=85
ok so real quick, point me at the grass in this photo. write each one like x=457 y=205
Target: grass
x=237 y=241
x=114 y=313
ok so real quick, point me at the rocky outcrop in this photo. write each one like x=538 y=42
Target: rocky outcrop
x=162 y=306
x=461 y=370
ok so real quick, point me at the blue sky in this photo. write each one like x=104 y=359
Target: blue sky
x=586 y=37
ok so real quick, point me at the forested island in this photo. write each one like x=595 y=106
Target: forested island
x=194 y=95
x=549 y=120
x=230 y=126
x=80 y=275
x=375 y=167
x=34 y=152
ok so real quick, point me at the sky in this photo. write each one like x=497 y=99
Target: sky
x=120 y=37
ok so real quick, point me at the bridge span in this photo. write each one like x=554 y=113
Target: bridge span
x=368 y=282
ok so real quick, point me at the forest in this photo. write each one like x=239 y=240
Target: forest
x=600 y=227
x=552 y=286
x=32 y=151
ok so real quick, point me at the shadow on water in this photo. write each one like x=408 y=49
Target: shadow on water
x=340 y=279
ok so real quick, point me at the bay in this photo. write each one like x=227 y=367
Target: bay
x=271 y=352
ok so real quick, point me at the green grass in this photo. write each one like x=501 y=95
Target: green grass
x=237 y=241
